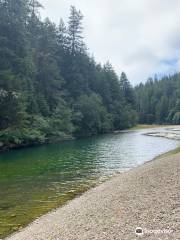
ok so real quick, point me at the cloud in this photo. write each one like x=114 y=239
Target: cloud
x=140 y=37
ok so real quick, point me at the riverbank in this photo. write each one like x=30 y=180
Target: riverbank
x=148 y=126
x=169 y=135
x=20 y=144
x=14 y=146
x=145 y=197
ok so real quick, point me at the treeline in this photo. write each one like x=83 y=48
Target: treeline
x=50 y=88
x=158 y=101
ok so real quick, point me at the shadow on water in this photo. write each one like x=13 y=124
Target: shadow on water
x=36 y=180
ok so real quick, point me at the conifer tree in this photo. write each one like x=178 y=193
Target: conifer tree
x=50 y=88
x=127 y=89
x=76 y=44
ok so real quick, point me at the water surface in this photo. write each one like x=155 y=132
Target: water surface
x=36 y=180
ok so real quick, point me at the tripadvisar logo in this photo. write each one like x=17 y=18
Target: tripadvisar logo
x=139 y=231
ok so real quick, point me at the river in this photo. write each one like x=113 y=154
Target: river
x=38 y=179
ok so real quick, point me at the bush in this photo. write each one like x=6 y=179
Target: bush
x=24 y=136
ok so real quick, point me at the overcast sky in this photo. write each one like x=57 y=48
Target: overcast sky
x=140 y=37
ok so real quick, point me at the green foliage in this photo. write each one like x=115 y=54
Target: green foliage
x=127 y=90
x=176 y=118
x=50 y=89
x=11 y=109
x=94 y=117
x=61 y=120
x=12 y=137
x=75 y=41
x=129 y=118
x=158 y=101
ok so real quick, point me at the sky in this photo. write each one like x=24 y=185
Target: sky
x=140 y=37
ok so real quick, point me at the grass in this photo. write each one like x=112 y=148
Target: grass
x=144 y=126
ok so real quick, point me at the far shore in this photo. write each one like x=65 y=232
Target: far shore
x=170 y=135
x=5 y=148
x=145 y=197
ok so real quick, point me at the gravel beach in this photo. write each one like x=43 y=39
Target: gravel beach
x=147 y=197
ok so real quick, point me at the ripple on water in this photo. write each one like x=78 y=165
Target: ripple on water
x=36 y=180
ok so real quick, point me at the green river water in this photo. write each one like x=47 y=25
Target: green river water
x=35 y=180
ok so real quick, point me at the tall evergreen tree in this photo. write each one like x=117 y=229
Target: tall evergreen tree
x=127 y=89
x=76 y=44
x=158 y=100
x=14 y=69
x=50 y=88
x=62 y=35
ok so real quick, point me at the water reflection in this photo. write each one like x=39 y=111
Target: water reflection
x=35 y=180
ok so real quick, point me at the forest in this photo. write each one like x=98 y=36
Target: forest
x=158 y=101
x=51 y=89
